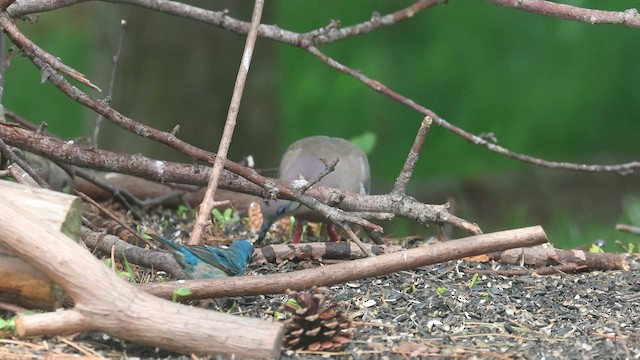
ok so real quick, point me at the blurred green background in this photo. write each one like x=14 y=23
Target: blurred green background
x=554 y=89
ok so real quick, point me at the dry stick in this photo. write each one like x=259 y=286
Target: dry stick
x=55 y=63
x=106 y=303
x=324 y=35
x=4 y=149
x=208 y=203
x=355 y=239
x=635 y=230
x=21 y=176
x=165 y=171
x=115 y=218
x=115 y=60
x=122 y=195
x=329 y=34
x=621 y=169
x=412 y=158
x=38 y=56
x=355 y=269
x=629 y=17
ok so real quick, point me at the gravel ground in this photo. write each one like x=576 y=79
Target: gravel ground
x=437 y=311
x=432 y=312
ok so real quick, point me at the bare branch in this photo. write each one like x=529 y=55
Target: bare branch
x=6 y=151
x=26 y=7
x=621 y=169
x=53 y=63
x=629 y=17
x=115 y=60
x=230 y=124
x=410 y=163
x=165 y=171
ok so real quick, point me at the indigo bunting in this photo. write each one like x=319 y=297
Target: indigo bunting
x=205 y=262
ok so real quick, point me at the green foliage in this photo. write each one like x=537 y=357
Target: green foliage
x=182 y=291
x=474 y=280
x=183 y=211
x=8 y=325
x=409 y=288
x=543 y=87
x=129 y=273
x=225 y=217
x=292 y=303
x=365 y=141
x=441 y=290
x=232 y=308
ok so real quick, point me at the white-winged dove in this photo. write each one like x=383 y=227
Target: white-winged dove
x=304 y=160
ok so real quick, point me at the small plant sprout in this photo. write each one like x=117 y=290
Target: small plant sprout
x=225 y=217
x=474 y=281
x=182 y=211
x=129 y=273
x=182 y=291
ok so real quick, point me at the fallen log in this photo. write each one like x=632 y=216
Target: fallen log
x=20 y=283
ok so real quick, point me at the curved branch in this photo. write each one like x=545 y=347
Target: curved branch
x=621 y=169
x=318 y=198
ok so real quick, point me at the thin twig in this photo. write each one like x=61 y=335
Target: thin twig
x=400 y=186
x=115 y=60
x=635 y=230
x=229 y=126
x=328 y=169
x=356 y=240
x=54 y=63
x=113 y=217
x=6 y=151
x=621 y=169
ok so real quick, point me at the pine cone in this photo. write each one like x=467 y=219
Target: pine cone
x=315 y=324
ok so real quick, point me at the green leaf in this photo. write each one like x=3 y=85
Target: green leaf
x=129 y=270
x=293 y=303
x=218 y=215
x=365 y=141
x=180 y=292
x=182 y=210
x=474 y=280
x=441 y=290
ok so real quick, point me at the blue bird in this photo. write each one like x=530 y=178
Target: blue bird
x=205 y=262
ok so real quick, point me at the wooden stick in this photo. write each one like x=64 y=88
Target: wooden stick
x=353 y=270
